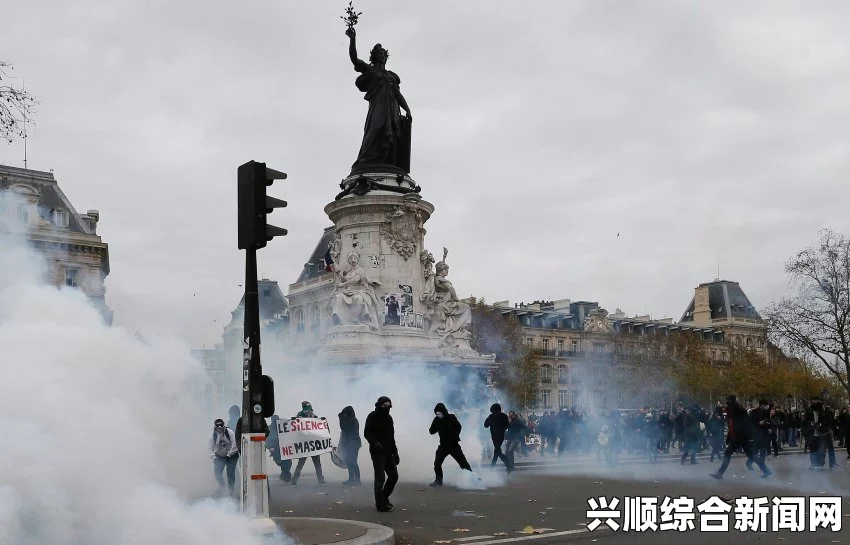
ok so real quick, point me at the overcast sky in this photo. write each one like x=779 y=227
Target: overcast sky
x=700 y=132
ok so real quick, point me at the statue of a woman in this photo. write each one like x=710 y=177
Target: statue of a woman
x=449 y=315
x=386 y=136
x=354 y=301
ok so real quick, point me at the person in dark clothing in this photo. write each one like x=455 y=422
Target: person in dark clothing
x=349 y=444
x=498 y=423
x=740 y=435
x=448 y=427
x=714 y=429
x=691 y=433
x=233 y=417
x=819 y=419
x=273 y=446
x=844 y=428
x=380 y=434
x=760 y=425
x=513 y=436
x=307 y=412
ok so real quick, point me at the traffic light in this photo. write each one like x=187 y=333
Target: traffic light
x=267 y=389
x=254 y=205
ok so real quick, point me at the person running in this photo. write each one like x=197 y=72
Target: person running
x=448 y=427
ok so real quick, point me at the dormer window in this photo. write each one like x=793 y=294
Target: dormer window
x=60 y=218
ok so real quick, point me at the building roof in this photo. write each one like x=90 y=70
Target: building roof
x=50 y=195
x=315 y=266
x=273 y=304
x=726 y=300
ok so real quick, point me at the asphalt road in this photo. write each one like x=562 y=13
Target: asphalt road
x=554 y=503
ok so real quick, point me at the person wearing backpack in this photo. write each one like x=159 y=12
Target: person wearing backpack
x=224 y=450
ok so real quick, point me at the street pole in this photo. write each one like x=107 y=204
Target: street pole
x=254 y=494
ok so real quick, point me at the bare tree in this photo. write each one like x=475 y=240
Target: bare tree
x=816 y=319
x=16 y=107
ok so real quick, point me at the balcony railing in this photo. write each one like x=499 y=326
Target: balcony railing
x=555 y=353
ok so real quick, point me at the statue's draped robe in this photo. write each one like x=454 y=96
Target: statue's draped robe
x=382 y=133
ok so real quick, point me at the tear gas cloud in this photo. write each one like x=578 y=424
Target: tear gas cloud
x=106 y=436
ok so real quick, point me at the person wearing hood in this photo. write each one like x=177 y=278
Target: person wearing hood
x=740 y=435
x=498 y=423
x=307 y=412
x=379 y=432
x=448 y=427
x=349 y=444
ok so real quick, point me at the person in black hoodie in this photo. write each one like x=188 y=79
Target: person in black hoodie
x=380 y=434
x=498 y=423
x=349 y=444
x=740 y=435
x=448 y=427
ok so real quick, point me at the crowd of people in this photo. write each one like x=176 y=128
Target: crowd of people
x=760 y=432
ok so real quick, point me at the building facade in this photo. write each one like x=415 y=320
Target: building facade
x=38 y=211
x=581 y=347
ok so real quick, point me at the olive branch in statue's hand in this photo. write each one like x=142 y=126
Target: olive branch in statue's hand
x=351 y=17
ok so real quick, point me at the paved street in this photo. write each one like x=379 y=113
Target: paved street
x=555 y=502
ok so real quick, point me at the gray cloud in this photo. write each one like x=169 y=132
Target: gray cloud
x=697 y=131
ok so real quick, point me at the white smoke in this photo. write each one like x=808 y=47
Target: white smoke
x=414 y=389
x=105 y=438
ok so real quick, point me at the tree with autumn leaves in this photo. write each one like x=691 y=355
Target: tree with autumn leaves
x=493 y=333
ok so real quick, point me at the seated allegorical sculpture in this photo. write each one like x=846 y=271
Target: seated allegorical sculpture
x=354 y=301
x=445 y=315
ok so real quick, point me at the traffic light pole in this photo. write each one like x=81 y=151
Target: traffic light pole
x=255 y=492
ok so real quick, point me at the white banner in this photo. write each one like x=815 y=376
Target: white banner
x=302 y=437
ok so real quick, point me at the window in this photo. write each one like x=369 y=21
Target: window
x=545 y=344
x=564 y=399
x=547 y=399
x=299 y=320
x=60 y=218
x=563 y=374
x=760 y=343
x=72 y=277
x=749 y=342
x=560 y=345
x=599 y=348
x=317 y=322
x=575 y=346
x=546 y=373
x=529 y=340
x=23 y=212
x=267 y=292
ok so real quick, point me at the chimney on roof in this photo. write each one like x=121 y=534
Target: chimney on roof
x=93 y=217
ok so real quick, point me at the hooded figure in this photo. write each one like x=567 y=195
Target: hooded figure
x=225 y=454
x=448 y=427
x=273 y=446
x=349 y=444
x=307 y=412
x=380 y=434
x=498 y=423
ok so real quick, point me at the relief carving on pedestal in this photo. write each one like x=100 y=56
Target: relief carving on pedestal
x=402 y=228
x=445 y=315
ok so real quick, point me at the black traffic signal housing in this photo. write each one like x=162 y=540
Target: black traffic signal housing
x=254 y=205
x=267 y=389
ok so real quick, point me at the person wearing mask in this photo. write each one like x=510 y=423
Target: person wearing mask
x=307 y=412
x=448 y=427
x=498 y=423
x=692 y=434
x=273 y=446
x=714 y=429
x=349 y=444
x=740 y=435
x=513 y=436
x=379 y=432
x=225 y=454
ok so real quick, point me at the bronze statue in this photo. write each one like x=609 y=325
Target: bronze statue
x=386 y=135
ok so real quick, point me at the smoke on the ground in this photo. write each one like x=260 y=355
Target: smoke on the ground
x=106 y=438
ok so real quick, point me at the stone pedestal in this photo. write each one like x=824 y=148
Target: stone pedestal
x=380 y=309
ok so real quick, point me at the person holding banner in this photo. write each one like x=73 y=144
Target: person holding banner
x=349 y=444
x=273 y=446
x=307 y=412
x=379 y=432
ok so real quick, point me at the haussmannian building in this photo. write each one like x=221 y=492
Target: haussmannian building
x=41 y=213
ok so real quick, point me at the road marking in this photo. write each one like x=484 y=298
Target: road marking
x=471 y=538
x=535 y=536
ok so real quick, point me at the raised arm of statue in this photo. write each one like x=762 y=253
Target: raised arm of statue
x=359 y=65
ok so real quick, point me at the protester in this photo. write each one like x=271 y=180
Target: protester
x=225 y=454
x=349 y=444
x=379 y=432
x=307 y=412
x=498 y=423
x=273 y=445
x=448 y=427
